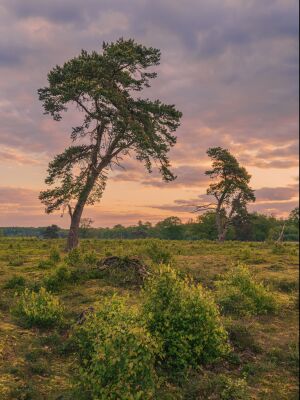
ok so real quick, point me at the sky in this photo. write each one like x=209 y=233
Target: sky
x=231 y=67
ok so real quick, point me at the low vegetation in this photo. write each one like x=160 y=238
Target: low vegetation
x=185 y=319
x=116 y=354
x=17 y=281
x=203 y=327
x=240 y=294
x=40 y=309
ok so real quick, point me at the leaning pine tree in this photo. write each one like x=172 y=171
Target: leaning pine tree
x=229 y=190
x=104 y=86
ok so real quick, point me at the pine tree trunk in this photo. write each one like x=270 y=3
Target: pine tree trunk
x=73 y=236
x=220 y=228
x=222 y=236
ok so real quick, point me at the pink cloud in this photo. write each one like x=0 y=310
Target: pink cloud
x=12 y=156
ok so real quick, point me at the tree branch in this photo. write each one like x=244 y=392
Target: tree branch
x=70 y=210
x=84 y=107
x=210 y=206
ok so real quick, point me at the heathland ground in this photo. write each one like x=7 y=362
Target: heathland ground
x=39 y=363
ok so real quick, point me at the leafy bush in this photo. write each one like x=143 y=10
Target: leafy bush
x=74 y=258
x=90 y=258
x=54 y=255
x=40 y=309
x=116 y=354
x=57 y=279
x=46 y=264
x=158 y=254
x=60 y=277
x=234 y=389
x=245 y=254
x=16 y=281
x=238 y=293
x=184 y=318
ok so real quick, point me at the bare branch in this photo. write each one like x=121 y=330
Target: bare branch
x=204 y=207
x=70 y=210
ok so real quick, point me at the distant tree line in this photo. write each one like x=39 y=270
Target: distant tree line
x=48 y=232
x=249 y=227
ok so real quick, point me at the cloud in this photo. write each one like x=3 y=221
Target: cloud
x=279 y=209
x=9 y=57
x=186 y=175
x=18 y=198
x=12 y=156
x=272 y=156
x=277 y=193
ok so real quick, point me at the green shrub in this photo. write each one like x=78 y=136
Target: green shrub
x=74 y=258
x=58 y=279
x=234 y=389
x=294 y=251
x=46 y=264
x=54 y=255
x=238 y=293
x=39 y=367
x=15 y=282
x=158 y=254
x=62 y=276
x=35 y=354
x=116 y=354
x=245 y=254
x=184 y=318
x=90 y=258
x=40 y=309
x=24 y=391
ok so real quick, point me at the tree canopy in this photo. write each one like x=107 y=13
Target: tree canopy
x=229 y=189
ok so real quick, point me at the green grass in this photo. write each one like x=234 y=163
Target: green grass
x=39 y=364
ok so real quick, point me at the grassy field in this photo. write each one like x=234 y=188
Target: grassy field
x=39 y=363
